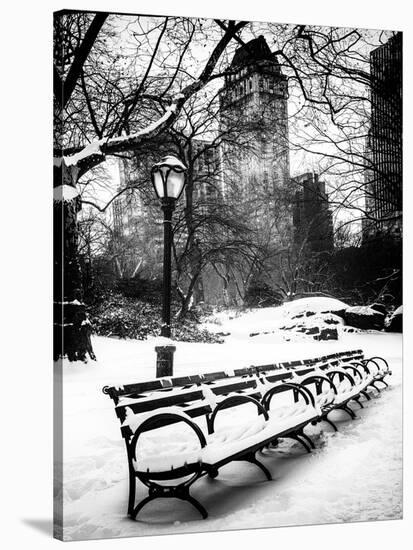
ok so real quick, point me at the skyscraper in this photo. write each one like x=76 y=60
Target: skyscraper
x=384 y=147
x=254 y=115
x=313 y=222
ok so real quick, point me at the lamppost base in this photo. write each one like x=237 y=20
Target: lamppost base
x=164 y=360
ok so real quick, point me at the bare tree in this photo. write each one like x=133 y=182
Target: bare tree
x=121 y=117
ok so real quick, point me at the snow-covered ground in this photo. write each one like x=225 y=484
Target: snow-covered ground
x=354 y=475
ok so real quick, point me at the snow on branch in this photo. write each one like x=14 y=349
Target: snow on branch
x=112 y=144
x=93 y=148
x=95 y=152
x=85 y=158
x=65 y=193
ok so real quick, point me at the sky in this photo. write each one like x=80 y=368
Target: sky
x=133 y=44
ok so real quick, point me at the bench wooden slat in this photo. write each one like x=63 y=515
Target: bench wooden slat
x=234 y=386
x=211 y=376
x=278 y=377
x=145 y=405
x=193 y=411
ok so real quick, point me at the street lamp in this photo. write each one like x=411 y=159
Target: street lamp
x=168 y=180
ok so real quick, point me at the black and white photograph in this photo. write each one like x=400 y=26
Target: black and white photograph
x=227 y=274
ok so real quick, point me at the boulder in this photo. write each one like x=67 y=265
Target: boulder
x=395 y=321
x=379 y=307
x=321 y=326
x=364 y=317
x=315 y=305
x=327 y=334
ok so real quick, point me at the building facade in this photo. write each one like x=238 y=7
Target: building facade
x=384 y=145
x=313 y=221
x=248 y=174
x=254 y=117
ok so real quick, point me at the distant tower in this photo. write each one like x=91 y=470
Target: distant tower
x=313 y=221
x=384 y=147
x=256 y=153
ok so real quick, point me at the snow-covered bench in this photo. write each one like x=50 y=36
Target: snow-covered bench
x=337 y=379
x=219 y=428
x=167 y=465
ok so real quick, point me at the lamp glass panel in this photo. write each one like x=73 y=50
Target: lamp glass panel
x=157 y=177
x=175 y=183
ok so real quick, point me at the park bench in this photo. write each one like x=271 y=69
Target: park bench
x=286 y=397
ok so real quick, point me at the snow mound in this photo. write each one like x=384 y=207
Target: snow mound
x=362 y=310
x=394 y=323
x=299 y=316
x=318 y=304
x=353 y=475
x=65 y=193
x=364 y=317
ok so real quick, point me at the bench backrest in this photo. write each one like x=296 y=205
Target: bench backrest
x=191 y=392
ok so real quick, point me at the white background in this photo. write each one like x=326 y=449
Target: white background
x=26 y=268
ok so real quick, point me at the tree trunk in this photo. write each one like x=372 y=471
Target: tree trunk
x=71 y=327
x=187 y=298
x=195 y=292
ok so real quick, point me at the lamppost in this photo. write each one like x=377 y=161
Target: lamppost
x=168 y=180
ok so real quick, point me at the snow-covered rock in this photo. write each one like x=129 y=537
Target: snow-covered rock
x=379 y=307
x=297 y=319
x=395 y=321
x=364 y=317
x=321 y=326
x=313 y=305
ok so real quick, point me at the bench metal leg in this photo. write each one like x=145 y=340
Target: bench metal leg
x=372 y=385
x=366 y=395
x=132 y=485
x=349 y=411
x=308 y=439
x=196 y=505
x=181 y=492
x=141 y=504
x=213 y=473
x=357 y=400
x=296 y=437
x=132 y=492
x=252 y=458
x=325 y=419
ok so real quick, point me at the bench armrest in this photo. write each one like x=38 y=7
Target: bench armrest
x=308 y=397
x=232 y=401
x=341 y=372
x=354 y=369
x=316 y=377
x=156 y=421
x=363 y=365
x=375 y=360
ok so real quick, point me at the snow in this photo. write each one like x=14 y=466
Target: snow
x=259 y=321
x=64 y=193
x=93 y=148
x=149 y=129
x=319 y=304
x=362 y=310
x=160 y=341
x=74 y=302
x=353 y=475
